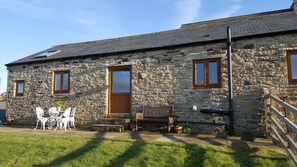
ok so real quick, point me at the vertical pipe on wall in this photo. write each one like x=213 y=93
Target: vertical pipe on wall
x=230 y=87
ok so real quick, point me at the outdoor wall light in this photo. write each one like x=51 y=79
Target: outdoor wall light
x=194 y=108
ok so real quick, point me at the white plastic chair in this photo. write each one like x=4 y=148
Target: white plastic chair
x=63 y=120
x=40 y=118
x=53 y=113
x=52 y=109
x=72 y=118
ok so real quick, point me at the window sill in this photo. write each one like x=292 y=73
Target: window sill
x=19 y=97
x=293 y=82
x=204 y=90
x=61 y=92
x=207 y=87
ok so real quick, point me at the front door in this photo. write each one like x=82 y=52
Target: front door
x=120 y=89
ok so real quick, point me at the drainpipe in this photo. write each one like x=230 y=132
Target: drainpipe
x=230 y=87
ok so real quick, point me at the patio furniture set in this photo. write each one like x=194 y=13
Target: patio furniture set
x=66 y=119
x=60 y=119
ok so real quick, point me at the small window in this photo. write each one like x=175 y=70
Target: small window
x=61 y=82
x=20 y=88
x=206 y=73
x=121 y=81
x=292 y=66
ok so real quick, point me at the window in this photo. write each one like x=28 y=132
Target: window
x=61 y=82
x=121 y=81
x=292 y=66
x=206 y=73
x=20 y=88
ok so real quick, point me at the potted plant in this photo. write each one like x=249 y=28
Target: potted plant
x=178 y=129
x=58 y=104
x=187 y=129
x=9 y=120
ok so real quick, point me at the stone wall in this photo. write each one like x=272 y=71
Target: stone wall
x=257 y=63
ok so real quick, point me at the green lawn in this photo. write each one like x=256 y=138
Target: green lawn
x=37 y=150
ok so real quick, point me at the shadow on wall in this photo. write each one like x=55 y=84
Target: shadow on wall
x=26 y=121
x=248 y=106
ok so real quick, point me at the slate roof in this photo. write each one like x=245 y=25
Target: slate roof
x=261 y=24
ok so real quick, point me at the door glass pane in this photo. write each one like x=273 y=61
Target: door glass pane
x=213 y=72
x=121 y=81
x=58 y=82
x=294 y=65
x=199 y=69
x=65 y=81
x=20 y=88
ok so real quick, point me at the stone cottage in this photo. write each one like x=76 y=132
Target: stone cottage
x=182 y=67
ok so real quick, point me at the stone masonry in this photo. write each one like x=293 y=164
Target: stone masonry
x=257 y=63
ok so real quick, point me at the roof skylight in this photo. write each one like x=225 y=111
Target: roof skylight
x=46 y=54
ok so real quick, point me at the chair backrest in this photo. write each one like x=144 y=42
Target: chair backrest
x=66 y=114
x=72 y=113
x=53 y=111
x=39 y=112
x=155 y=112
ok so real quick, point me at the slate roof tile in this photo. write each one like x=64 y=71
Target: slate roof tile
x=283 y=21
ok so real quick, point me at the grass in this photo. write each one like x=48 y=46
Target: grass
x=37 y=150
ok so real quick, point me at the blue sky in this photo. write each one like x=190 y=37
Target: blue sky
x=29 y=26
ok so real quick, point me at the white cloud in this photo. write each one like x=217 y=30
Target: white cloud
x=186 y=11
x=97 y=18
x=227 y=13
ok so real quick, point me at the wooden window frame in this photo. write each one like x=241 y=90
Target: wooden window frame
x=206 y=83
x=290 y=79
x=61 y=82
x=17 y=88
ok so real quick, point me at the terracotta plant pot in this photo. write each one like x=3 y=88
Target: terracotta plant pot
x=9 y=120
x=178 y=129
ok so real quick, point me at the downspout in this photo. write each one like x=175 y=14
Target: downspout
x=230 y=87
